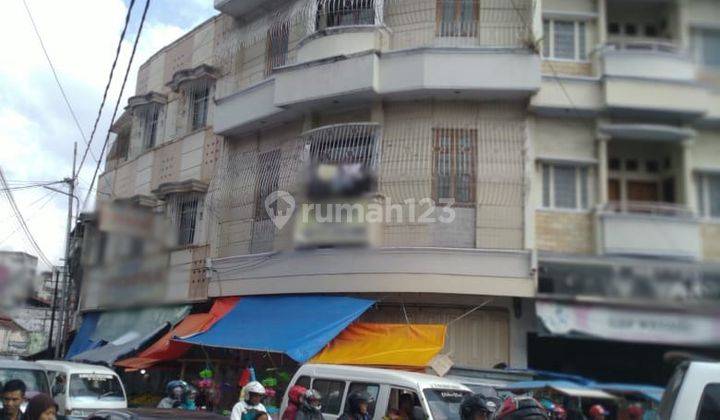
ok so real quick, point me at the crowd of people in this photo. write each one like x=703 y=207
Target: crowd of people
x=39 y=407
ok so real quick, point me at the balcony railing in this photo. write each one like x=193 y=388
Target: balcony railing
x=643 y=44
x=649 y=208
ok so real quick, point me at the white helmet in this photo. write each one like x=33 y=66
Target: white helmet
x=255 y=387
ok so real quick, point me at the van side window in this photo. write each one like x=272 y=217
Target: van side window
x=303 y=381
x=372 y=389
x=710 y=402
x=404 y=404
x=332 y=393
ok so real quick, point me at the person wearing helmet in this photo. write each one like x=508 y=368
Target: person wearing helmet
x=295 y=395
x=356 y=407
x=175 y=392
x=250 y=406
x=310 y=407
x=477 y=407
x=558 y=413
x=521 y=408
x=598 y=412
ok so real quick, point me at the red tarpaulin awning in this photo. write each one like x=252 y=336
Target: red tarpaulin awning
x=167 y=349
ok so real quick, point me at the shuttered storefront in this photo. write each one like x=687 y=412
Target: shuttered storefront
x=480 y=339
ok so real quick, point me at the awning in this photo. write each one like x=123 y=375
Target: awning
x=407 y=345
x=648 y=391
x=118 y=334
x=82 y=341
x=564 y=387
x=299 y=325
x=166 y=349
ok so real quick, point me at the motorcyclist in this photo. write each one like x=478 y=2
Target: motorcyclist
x=357 y=406
x=294 y=401
x=174 y=393
x=521 y=408
x=477 y=407
x=598 y=412
x=250 y=406
x=311 y=406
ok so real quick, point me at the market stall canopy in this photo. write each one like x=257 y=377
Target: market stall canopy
x=403 y=345
x=83 y=341
x=648 y=391
x=564 y=387
x=118 y=334
x=166 y=349
x=299 y=325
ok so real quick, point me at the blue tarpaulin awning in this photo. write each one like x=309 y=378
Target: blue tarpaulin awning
x=299 y=326
x=83 y=338
x=648 y=391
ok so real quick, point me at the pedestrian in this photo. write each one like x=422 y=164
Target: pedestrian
x=175 y=391
x=250 y=406
x=41 y=407
x=310 y=407
x=521 y=408
x=13 y=394
x=295 y=395
x=597 y=412
x=477 y=407
x=357 y=406
x=635 y=412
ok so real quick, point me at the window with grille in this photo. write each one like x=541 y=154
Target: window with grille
x=565 y=187
x=268 y=177
x=457 y=18
x=565 y=40
x=185 y=211
x=332 y=13
x=708 y=195
x=151 y=117
x=346 y=144
x=198 y=97
x=277 y=48
x=454 y=165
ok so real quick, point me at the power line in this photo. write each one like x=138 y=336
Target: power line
x=117 y=104
x=49 y=196
x=57 y=79
x=107 y=88
x=25 y=187
x=21 y=220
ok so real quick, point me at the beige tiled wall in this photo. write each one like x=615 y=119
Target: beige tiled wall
x=566 y=68
x=564 y=232
x=711 y=241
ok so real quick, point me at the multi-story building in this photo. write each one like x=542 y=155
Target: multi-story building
x=578 y=141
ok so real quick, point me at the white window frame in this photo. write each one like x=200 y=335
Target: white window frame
x=697 y=47
x=549 y=40
x=703 y=199
x=579 y=205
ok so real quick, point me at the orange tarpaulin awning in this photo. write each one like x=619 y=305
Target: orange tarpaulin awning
x=410 y=345
x=167 y=349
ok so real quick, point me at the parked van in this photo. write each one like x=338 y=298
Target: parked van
x=693 y=392
x=81 y=389
x=32 y=374
x=435 y=398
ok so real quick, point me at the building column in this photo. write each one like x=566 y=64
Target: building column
x=688 y=192
x=602 y=172
x=602 y=21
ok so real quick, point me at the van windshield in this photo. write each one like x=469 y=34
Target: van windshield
x=35 y=380
x=444 y=403
x=95 y=386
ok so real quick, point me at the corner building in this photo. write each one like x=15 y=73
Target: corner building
x=529 y=115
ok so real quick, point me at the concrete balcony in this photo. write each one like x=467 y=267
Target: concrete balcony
x=240 y=8
x=382 y=270
x=647 y=58
x=649 y=230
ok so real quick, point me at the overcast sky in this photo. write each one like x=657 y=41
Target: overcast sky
x=36 y=129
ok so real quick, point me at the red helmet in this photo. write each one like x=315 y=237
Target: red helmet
x=295 y=393
x=635 y=412
x=521 y=408
x=559 y=413
x=598 y=410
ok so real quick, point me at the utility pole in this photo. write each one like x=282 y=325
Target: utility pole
x=64 y=319
x=56 y=276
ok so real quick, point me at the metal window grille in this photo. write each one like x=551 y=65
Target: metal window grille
x=457 y=18
x=184 y=213
x=198 y=94
x=343 y=144
x=455 y=152
x=151 y=116
x=332 y=13
x=277 y=47
x=267 y=182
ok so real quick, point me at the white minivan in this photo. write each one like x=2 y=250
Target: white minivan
x=80 y=389
x=435 y=398
x=693 y=392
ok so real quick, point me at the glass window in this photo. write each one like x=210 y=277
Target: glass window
x=546 y=38
x=303 y=381
x=708 y=195
x=95 y=386
x=372 y=389
x=707 y=46
x=152 y=115
x=454 y=165
x=710 y=402
x=345 y=13
x=268 y=176
x=564 y=38
x=277 y=48
x=582 y=42
x=332 y=394
x=457 y=18
x=546 y=186
x=565 y=187
x=35 y=380
x=444 y=404
x=671 y=392
x=199 y=98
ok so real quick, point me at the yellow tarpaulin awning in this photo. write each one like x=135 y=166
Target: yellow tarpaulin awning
x=411 y=345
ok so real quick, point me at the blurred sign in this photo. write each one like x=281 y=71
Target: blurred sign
x=127 y=220
x=335 y=224
x=632 y=325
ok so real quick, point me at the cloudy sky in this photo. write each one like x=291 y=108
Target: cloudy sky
x=36 y=129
